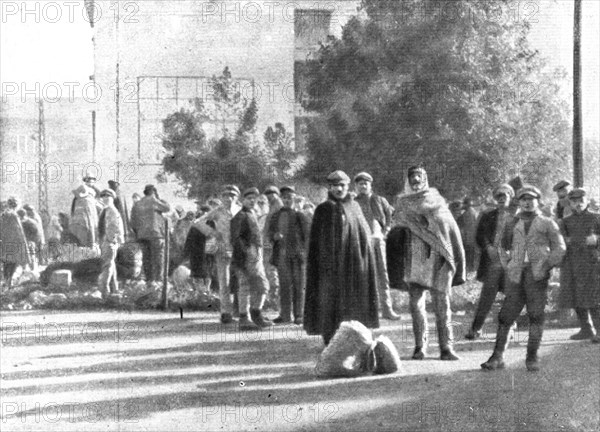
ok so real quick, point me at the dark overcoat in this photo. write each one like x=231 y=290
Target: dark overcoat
x=485 y=236
x=13 y=244
x=341 y=282
x=580 y=270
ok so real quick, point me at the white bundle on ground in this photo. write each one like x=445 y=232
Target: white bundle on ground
x=346 y=354
x=181 y=278
x=387 y=359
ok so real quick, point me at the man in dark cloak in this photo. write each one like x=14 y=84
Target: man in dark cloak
x=341 y=271
x=580 y=271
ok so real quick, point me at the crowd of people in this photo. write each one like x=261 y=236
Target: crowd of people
x=339 y=260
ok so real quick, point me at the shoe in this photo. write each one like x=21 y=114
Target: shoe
x=596 y=339
x=448 y=354
x=245 y=324
x=259 y=319
x=532 y=364
x=226 y=318
x=299 y=321
x=493 y=363
x=418 y=354
x=389 y=314
x=582 y=335
x=472 y=335
x=280 y=320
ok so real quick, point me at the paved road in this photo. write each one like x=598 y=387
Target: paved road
x=153 y=371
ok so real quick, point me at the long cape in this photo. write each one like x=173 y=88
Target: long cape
x=341 y=280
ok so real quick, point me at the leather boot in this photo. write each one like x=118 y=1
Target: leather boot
x=236 y=306
x=496 y=361
x=259 y=319
x=533 y=344
x=445 y=339
x=246 y=324
x=586 y=331
x=595 y=314
x=419 y=353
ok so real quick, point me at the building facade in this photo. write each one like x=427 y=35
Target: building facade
x=162 y=54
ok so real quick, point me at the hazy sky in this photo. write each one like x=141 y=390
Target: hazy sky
x=45 y=52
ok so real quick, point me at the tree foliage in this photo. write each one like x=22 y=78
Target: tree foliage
x=451 y=84
x=204 y=162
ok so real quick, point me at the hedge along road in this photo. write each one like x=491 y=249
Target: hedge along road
x=154 y=371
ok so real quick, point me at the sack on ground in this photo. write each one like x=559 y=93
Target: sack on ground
x=346 y=354
x=387 y=359
x=181 y=278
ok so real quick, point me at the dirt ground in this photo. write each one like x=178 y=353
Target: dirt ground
x=108 y=371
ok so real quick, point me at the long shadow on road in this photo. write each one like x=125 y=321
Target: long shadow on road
x=191 y=372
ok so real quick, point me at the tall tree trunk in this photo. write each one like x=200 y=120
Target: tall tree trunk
x=577 y=127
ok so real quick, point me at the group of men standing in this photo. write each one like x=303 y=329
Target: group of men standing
x=348 y=258
x=520 y=246
x=303 y=256
x=102 y=217
x=424 y=251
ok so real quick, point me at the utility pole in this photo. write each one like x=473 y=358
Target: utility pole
x=42 y=158
x=577 y=126
x=117 y=91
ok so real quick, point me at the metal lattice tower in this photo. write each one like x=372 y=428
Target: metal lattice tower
x=42 y=159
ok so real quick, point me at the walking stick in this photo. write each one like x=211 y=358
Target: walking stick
x=165 y=290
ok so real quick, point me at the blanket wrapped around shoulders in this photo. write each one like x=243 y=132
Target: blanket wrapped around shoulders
x=426 y=216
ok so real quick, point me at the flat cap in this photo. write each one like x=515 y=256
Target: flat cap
x=89 y=177
x=148 y=188
x=289 y=189
x=108 y=192
x=529 y=190
x=577 y=193
x=337 y=177
x=271 y=189
x=251 y=191
x=504 y=189
x=561 y=184
x=230 y=189
x=363 y=176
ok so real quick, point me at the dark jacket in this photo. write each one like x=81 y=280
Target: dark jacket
x=341 y=272
x=580 y=271
x=245 y=233
x=147 y=221
x=380 y=208
x=294 y=240
x=484 y=237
